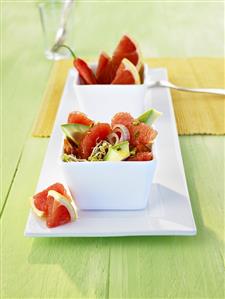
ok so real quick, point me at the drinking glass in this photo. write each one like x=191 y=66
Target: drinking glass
x=57 y=23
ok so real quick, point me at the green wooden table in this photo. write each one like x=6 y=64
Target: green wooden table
x=131 y=267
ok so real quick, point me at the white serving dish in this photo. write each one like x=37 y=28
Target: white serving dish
x=168 y=211
x=102 y=101
x=109 y=185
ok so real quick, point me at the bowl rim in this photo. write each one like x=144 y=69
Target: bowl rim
x=93 y=65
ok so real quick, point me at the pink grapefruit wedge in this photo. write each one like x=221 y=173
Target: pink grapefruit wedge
x=127 y=48
x=103 y=74
x=126 y=74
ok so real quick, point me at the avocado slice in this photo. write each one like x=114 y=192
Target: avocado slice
x=118 y=152
x=149 y=117
x=74 y=132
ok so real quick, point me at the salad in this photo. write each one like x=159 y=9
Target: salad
x=125 y=139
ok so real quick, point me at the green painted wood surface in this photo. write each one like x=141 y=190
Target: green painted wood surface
x=134 y=267
x=25 y=71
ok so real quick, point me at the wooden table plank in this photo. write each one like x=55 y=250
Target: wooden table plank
x=180 y=267
x=134 y=267
x=46 y=268
x=25 y=71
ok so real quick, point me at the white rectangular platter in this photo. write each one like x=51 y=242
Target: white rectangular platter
x=169 y=209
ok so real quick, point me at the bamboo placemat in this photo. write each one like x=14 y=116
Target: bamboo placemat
x=195 y=113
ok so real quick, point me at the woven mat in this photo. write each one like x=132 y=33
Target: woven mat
x=195 y=113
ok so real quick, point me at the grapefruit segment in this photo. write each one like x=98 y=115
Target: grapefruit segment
x=126 y=73
x=96 y=134
x=126 y=45
x=143 y=156
x=76 y=117
x=57 y=213
x=141 y=134
x=127 y=48
x=103 y=73
x=122 y=118
x=85 y=71
x=39 y=200
x=67 y=203
x=55 y=204
x=133 y=57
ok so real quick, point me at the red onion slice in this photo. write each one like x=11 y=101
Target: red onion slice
x=113 y=138
x=124 y=132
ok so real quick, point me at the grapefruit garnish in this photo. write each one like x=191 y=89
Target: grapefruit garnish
x=82 y=67
x=126 y=74
x=39 y=199
x=76 y=117
x=55 y=204
x=127 y=48
x=96 y=134
x=142 y=156
x=60 y=209
x=103 y=73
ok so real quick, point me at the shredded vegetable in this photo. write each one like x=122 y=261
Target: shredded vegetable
x=99 y=151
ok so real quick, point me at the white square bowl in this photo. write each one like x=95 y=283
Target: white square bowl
x=109 y=185
x=103 y=101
